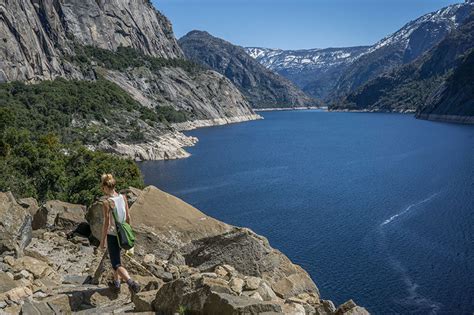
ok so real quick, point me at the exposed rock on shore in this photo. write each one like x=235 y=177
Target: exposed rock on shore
x=185 y=261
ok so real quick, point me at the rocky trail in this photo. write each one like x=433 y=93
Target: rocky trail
x=186 y=262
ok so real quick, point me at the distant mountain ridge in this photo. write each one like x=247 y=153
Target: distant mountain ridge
x=436 y=85
x=261 y=86
x=313 y=70
x=357 y=65
x=402 y=47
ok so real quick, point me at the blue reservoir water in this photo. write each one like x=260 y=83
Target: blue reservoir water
x=376 y=207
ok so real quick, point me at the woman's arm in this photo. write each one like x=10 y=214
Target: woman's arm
x=105 y=225
x=127 y=218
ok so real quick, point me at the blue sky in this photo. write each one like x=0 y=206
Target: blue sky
x=296 y=24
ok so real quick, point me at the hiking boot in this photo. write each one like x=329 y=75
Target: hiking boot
x=114 y=286
x=134 y=287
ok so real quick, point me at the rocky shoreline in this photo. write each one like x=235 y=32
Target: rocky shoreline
x=288 y=108
x=406 y=111
x=459 y=119
x=186 y=262
x=190 y=125
x=170 y=145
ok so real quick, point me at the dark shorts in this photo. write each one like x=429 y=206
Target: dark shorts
x=114 y=251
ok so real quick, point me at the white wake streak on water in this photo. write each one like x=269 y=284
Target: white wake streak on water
x=393 y=217
x=420 y=303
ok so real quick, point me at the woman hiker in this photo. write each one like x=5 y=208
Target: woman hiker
x=117 y=203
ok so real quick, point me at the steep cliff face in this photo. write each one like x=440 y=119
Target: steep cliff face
x=262 y=87
x=127 y=42
x=37 y=34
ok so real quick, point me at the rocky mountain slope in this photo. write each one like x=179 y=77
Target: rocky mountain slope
x=262 y=87
x=185 y=261
x=86 y=40
x=341 y=71
x=402 y=47
x=453 y=100
x=438 y=83
x=315 y=71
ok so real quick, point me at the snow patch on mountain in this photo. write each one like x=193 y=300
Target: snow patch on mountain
x=305 y=59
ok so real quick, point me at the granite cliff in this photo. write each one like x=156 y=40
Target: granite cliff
x=186 y=262
x=262 y=87
x=50 y=39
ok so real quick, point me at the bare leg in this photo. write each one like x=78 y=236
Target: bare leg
x=122 y=273
x=116 y=275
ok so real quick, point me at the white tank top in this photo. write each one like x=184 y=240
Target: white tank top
x=120 y=212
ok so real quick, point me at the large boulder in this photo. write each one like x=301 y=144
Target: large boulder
x=163 y=223
x=251 y=255
x=226 y=304
x=30 y=204
x=172 y=217
x=204 y=294
x=71 y=218
x=15 y=227
x=351 y=308
x=132 y=194
x=95 y=218
x=39 y=269
x=69 y=214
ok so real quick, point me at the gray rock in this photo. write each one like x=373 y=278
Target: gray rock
x=143 y=301
x=236 y=284
x=252 y=283
x=266 y=292
x=351 y=308
x=66 y=215
x=6 y=283
x=132 y=194
x=149 y=259
x=176 y=259
x=251 y=255
x=109 y=24
x=159 y=272
x=15 y=230
x=30 y=204
x=216 y=285
x=71 y=218
x=35 y=308
x=223 y=304
x=76 y=279
x=325 y=308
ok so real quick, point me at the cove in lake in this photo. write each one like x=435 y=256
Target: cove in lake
x=376 y=207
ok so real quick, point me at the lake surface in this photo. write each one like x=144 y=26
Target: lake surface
x=376 y=207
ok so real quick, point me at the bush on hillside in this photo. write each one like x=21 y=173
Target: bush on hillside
x=43 y=168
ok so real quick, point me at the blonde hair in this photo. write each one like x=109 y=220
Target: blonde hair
x=108 y=180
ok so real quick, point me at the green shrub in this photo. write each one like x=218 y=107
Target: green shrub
x=127 y=57
x=169 y=114
x=53 y=106
x=44 y=168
